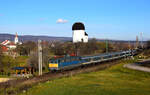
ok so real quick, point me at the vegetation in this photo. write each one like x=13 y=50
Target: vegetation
x=146 y=52
x=148 y=44
x=1 y=54
x=112 y=81
x=33 y=60
x=26 y=48
x=28 y=55
x=21 y=60
x=90 y=48
x=8 y=62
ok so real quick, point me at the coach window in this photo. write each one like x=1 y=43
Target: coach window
x=79 y=58
x=62 y=60
x=73 y=59
x=67 y=59
x=58 y=61
x=52 y=61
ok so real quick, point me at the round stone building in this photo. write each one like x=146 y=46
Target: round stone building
x=79 y=34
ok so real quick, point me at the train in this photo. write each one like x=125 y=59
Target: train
x=69 y=62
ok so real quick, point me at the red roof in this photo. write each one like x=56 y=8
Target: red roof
x=11 y=43
x=4 y=49
x=4 y=42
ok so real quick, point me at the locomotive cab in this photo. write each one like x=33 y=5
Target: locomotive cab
x=63 y=63
x=53 y=65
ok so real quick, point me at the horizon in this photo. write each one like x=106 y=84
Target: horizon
x=104 y=19
x=70 y=37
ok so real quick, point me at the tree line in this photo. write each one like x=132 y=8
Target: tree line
x=57 y=48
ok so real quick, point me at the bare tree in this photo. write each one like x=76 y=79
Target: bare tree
x=148 y=44
x=1 y=54
x=88 y=48
x=26 y=48
x=57 y=48
x=33 y=60
x=46 y=56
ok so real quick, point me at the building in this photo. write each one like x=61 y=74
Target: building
x=8 y=45
x=79 y=34
x=16 y=41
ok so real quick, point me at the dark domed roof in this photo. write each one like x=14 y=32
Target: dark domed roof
x=78 y=26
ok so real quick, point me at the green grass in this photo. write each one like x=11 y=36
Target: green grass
x=112 y=81
x=22 y=60
x=8 y=62
x=5 y=76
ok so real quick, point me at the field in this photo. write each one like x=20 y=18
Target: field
x=112 y=81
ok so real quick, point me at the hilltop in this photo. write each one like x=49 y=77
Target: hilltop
x=25 y=38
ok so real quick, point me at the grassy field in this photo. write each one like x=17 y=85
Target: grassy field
x=9 y=62
x=112 y=81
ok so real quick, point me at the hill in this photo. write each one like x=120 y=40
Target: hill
x=25 y=38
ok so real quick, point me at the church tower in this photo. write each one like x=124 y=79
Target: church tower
x=79 y=34
x=16 y=39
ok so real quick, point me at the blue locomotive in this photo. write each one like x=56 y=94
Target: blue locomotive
x=69 y=62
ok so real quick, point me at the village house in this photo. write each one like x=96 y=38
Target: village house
x=8 y=46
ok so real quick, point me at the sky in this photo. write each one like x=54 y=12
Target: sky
x=103 y=19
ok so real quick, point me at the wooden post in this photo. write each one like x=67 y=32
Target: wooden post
x=16 y=72
x=20 y=72
x=25 y=71
x=30 y=70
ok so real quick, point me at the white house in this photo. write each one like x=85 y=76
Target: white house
x=79 y=34
x=10 y=44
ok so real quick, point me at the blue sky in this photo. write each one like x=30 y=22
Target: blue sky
x=110 y=19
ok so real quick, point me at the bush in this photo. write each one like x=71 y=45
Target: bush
x=8 y=73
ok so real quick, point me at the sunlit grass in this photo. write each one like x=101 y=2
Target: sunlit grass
x=112 y=81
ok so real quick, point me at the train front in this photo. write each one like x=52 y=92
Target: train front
x=53 y=64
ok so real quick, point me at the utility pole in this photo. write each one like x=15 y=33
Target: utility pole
x=129 y=45
x=40 y=56
x=106 y=46
x=76 y=48
x=137 y=42
x=142 y=39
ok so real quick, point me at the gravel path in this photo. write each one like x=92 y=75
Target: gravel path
x=137 y=66
x=4 y=79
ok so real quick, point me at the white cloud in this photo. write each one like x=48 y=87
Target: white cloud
x=61 y=21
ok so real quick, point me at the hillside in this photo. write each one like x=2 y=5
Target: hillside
x=24 y=38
